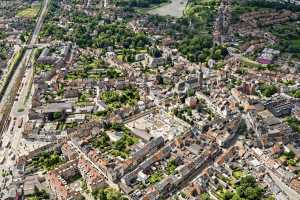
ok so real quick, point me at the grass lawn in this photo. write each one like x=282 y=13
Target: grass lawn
x=221 y=193
x=120 y=57
x=295 y=93
x=21 y=109
x=238 y=174
x=250 y=63
x=29 y=12
x=155 y=177
x=296 y=43
x=232 y=182
x=282 y=158
x=141 y=50
x=46 y=161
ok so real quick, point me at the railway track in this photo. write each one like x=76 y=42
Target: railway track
x=10 y=93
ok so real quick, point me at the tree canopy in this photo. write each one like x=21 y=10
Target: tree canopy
x=247 y=189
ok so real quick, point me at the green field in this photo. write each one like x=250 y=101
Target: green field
x=29 y=12
x=295 y=44
x=249 y=63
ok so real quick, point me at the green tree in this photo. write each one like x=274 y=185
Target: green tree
x=267 y=90
x=57 y=115
x=102 y=195
x=248 y=189
x=190 y=92
x=120 y=145
x=107 y=194
x=227 y=195
x=23 y=36
x=160 y=79
x=2 y=35
x=205 y=196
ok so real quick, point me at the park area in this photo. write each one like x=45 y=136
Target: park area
x=29 y=12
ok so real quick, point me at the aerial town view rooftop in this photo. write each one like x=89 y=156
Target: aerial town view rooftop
x=150 y=99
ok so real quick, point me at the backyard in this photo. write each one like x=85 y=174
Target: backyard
x=119 y=98
x=120 y=147
x=46 y=161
